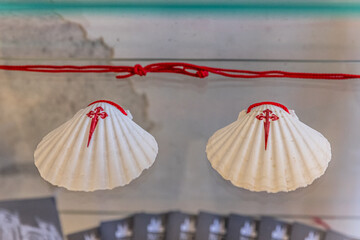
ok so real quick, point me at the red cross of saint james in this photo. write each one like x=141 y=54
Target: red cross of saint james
x=94 y=121
x=268 y=116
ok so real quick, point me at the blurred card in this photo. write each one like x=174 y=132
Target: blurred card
x=118 y=229
x=180 y=226
x=273 y=229
x=149 y=226
x=304 y=232
x=331 y=235
x=29 y=219
x=211 y=227
x=89 y=234
x=242 y=227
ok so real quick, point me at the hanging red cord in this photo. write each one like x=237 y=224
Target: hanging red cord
x=174 y=67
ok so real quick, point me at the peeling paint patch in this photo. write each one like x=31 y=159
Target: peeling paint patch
x=33 y=104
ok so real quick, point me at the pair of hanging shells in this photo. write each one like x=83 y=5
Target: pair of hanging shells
x=102 y=148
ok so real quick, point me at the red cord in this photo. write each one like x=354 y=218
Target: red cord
x=267 y=103
x=112 y=103
x=174 y=67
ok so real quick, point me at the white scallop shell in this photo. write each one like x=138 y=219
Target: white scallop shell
x=295 y=156
x=118 y=152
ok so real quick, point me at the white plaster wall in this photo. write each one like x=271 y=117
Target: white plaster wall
x=224 y=36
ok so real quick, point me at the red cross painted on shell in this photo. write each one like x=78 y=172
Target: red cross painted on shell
x=268 y=116
x=95 y=119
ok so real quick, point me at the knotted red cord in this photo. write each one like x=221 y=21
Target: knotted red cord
x=174 y=67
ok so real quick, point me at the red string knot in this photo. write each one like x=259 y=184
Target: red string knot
x=202 y=73
x=139 y=70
